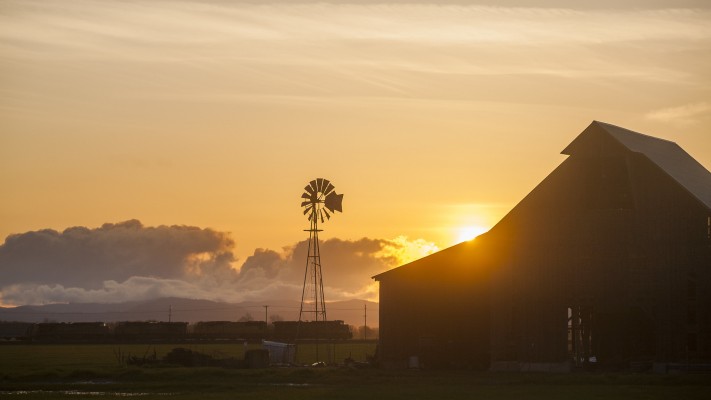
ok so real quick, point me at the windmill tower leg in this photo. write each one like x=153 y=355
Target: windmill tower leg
x=312 y=298
x=313 y=305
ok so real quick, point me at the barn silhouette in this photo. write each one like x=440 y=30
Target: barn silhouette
x=606 y=263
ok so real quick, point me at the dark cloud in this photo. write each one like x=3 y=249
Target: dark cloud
x=347 y=265
x=128 y=261
x=264 y=262
x=85 y=257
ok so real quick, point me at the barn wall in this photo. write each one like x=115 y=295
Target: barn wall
x=436 y=310
x=610 y=232
x=672 y=275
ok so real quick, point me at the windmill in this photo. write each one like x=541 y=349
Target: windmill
x=319 y=202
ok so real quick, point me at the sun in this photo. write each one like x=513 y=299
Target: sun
x=470 y=232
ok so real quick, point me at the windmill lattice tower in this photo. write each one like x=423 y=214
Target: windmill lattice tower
x=320 y=201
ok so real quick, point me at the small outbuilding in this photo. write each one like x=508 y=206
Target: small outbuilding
x=607 y=262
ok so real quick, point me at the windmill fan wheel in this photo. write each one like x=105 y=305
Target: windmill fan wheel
x=320 y=200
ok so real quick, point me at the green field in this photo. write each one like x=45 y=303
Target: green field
x=93 y=371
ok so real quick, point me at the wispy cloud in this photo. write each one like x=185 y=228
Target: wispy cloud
x=681 y=115
x=221 y=51
x=201 y=31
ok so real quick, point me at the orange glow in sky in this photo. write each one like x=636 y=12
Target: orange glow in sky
x=470 y=232
x=433 y=120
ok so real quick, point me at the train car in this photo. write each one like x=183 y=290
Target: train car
x=215 y=330
x=70 y=332
x=15 y=331
x=290 y=330
x=133 y=331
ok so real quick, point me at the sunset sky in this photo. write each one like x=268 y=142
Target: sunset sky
x=433 y=119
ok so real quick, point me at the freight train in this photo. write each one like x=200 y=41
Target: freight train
x=287 y=330
x=156 y=332
x=221 y=330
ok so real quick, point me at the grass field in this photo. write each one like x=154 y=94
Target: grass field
x=92 y=371
x=24 y=358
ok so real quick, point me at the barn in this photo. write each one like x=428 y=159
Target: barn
x=605 y=264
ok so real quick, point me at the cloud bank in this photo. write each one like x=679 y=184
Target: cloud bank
x=128 y=261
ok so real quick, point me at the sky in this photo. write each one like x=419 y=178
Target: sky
x=153 y=148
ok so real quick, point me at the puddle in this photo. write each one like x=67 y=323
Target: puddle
x=292 y=384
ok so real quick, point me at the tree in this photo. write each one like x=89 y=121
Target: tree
x=364 y=332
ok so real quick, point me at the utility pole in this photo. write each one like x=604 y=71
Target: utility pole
x=365 y=321
x=266 y=314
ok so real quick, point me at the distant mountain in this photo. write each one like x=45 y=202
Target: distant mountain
x=187 y=310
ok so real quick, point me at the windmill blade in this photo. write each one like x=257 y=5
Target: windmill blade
x=314 y=186
x=334 y=202
x=328 y=216
x=329 y=188
x=309 y=197
x=308 y=208
x=320 y=185
x=306 y=203
x=309 y=190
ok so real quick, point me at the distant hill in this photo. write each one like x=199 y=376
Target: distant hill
x=187 y=310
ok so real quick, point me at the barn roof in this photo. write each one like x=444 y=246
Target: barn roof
x=667 y=155
x=449 y=255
